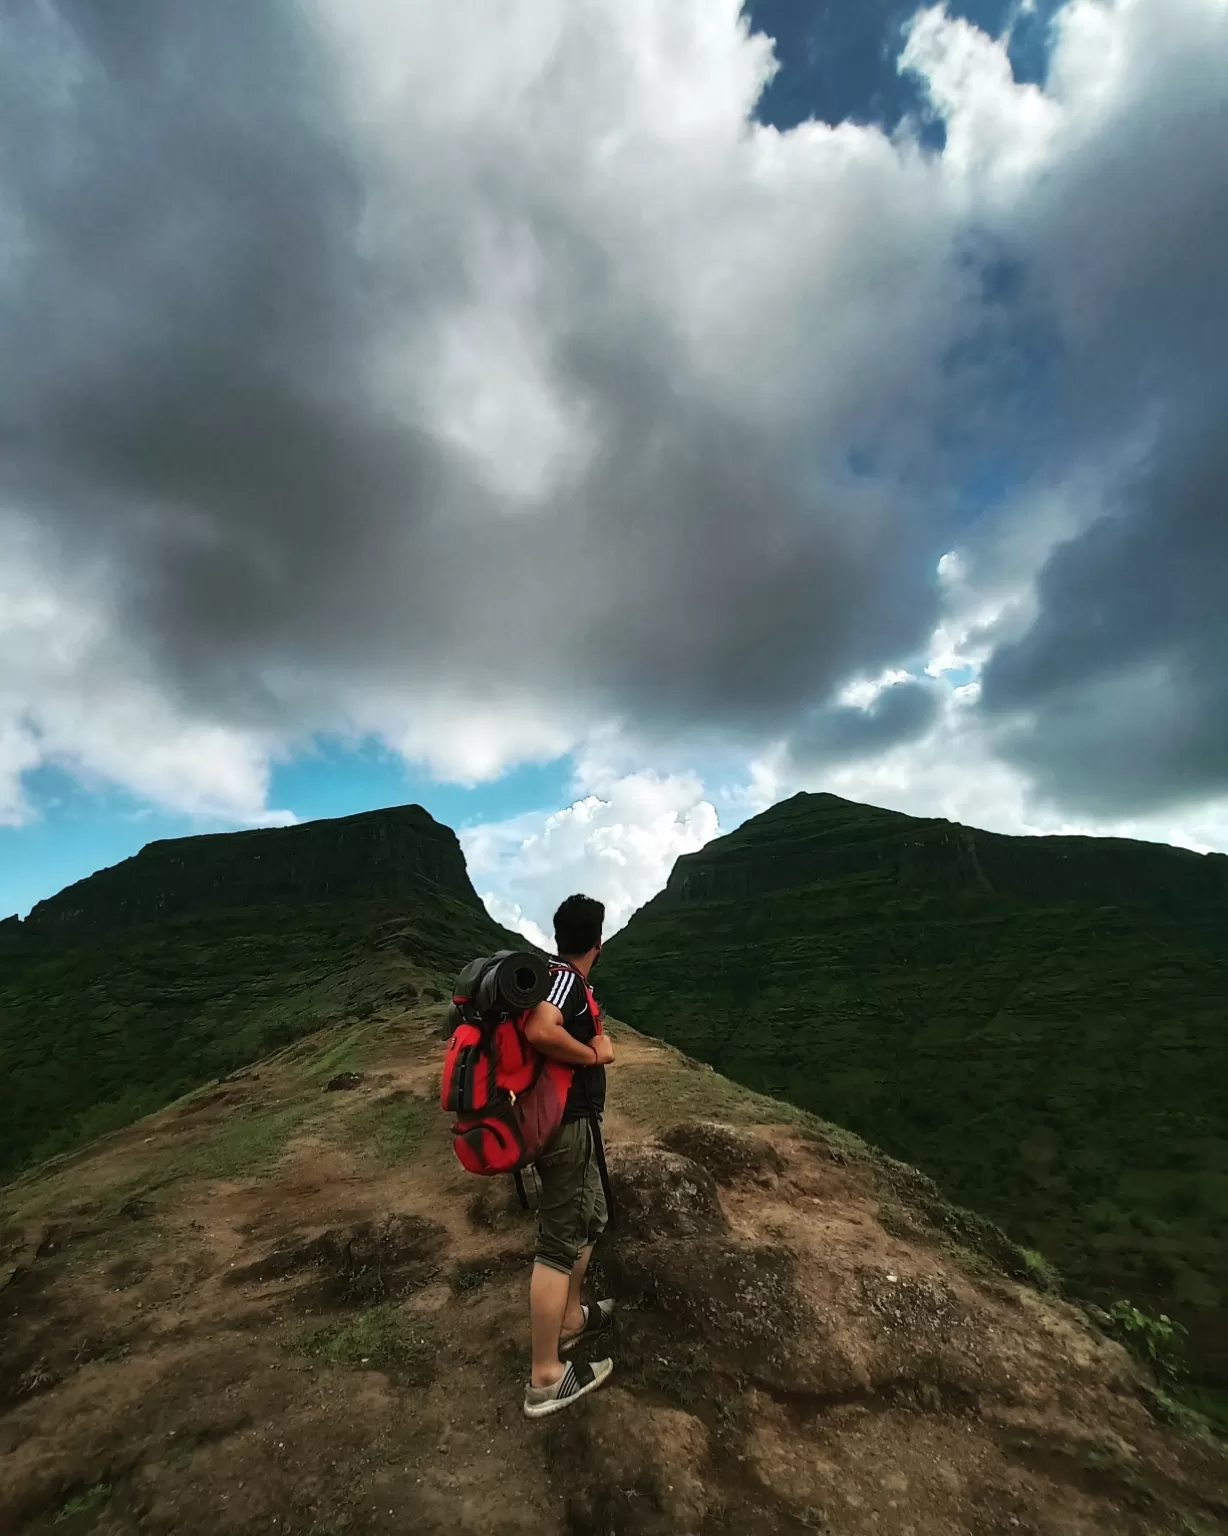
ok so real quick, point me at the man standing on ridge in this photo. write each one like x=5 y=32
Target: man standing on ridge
x=571 y=1212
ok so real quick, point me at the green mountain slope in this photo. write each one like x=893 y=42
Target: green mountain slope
x=201 y=954
x=1039 y=1023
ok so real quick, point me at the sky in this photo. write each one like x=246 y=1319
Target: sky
x=596 y=420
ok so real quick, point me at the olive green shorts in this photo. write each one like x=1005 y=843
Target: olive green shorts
x=571 y=1211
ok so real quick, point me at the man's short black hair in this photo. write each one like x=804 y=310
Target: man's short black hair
x=577 y=925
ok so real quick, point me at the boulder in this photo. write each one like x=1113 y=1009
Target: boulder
x=659 y=1195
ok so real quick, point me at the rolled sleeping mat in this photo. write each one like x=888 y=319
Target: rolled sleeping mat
x=466 y=984
x=513 y=980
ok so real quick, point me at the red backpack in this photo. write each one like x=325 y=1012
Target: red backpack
x=508 y=1098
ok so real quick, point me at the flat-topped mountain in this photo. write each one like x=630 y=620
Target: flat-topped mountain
x=202 y=953
x=1040 y=1023
x=387 y=855
x=825 y=837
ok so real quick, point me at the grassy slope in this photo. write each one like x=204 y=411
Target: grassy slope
x=1061 y=1067
x=95 y=1035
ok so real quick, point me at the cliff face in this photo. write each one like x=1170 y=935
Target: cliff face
x=1037 y=1022
x=201 y=954
x=385 y=855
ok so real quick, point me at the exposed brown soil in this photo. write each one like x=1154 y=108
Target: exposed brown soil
x=276 y=1308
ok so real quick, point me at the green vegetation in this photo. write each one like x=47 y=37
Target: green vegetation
x=1156 y=1341
x=381 y=1338
x=653 y=1096
x=248 y=1143
x=84 y=1506
x=341 y=1055
x=392 y=1128
x=1038 y=1023
x=1211 y=1404
x=107 y=1014
x=1043 y=1275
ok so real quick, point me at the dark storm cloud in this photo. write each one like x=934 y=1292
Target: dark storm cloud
x=193 y=325
x=182 y=319
x=843 y=732
x=1116 y=699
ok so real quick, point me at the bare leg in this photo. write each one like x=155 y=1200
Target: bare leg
x=573 y=1317
x=548 y=1295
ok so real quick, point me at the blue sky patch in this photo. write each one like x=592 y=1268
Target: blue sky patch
x=838 y=58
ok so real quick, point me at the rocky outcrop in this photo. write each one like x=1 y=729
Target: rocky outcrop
x=784 y=1365
x=661 y=1196
x=764 y=1309
x=723 y=1152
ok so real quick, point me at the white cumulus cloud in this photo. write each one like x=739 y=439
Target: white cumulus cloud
x=617 y=844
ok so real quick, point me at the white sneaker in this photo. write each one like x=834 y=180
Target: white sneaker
x=577 y=1381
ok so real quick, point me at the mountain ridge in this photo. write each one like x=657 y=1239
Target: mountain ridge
x=1036 y=1022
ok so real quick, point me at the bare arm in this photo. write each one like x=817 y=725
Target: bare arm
x=544 y=1031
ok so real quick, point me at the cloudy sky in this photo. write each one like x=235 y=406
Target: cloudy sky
x=596 y=419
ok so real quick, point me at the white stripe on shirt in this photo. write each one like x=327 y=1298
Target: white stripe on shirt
x=560 y=989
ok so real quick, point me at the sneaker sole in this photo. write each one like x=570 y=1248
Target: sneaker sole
x=557 y=1404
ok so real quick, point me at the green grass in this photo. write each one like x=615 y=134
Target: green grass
x=657 y=1096
x=381 y=1338
x=85 y=1506
x=247 y=1144
x=344 y=1053
x=390 y=1129
x=1185 y=1408
x=1043 y=1275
